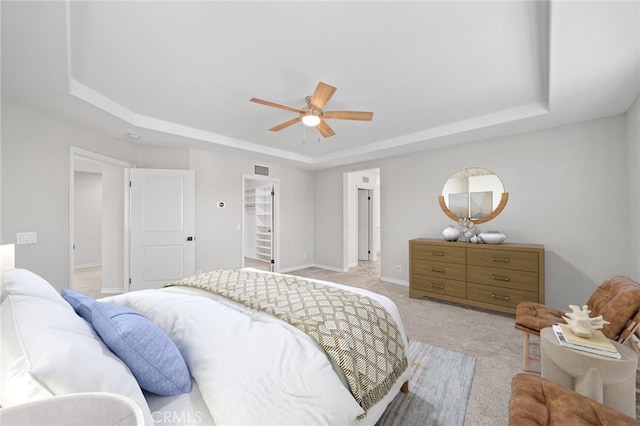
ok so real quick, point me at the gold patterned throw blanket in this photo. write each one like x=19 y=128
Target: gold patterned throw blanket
x=354 y=330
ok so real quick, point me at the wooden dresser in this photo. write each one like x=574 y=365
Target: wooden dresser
x=492 y=276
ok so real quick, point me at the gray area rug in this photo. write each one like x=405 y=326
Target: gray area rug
x=439 y=388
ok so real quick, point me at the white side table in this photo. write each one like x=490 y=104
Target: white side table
x=609 y=381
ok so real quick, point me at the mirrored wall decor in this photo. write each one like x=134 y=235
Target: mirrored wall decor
x=474 y=193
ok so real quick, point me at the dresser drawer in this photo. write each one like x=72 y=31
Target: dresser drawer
x=507 y=297
x=450 y=271
x=508 y=278
x=439 y=286
x=504 y=259
x=439 y=253
x=490 y=276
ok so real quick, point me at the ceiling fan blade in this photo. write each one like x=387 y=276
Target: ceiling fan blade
x=321 y=95
x=275 y=105
x=324 y=129
x=285 y=124
x=348 y=115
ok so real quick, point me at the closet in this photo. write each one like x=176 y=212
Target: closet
x=259 y=222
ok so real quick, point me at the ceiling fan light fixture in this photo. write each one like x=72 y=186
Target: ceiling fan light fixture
x=310 y=119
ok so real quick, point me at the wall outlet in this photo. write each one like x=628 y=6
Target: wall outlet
x=399 y=268
x=26 y=237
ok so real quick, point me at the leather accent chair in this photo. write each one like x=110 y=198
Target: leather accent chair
x=617 y=299
x=537 y=401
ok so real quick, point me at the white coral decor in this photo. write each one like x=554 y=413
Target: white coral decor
x=581 y=324
x=467 y=228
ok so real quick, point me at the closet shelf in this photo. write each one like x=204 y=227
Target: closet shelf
x=259 y=202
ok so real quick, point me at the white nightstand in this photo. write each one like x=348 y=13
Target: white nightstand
x=609 y=381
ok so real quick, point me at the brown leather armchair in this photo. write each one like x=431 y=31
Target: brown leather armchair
x=536 y=401
x=617 y=299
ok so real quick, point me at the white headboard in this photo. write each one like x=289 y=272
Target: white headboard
x=7 y=256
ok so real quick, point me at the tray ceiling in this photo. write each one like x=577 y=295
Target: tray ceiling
x=433 y=73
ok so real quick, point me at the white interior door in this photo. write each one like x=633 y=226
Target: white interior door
x=364 y=220
x=162 y=223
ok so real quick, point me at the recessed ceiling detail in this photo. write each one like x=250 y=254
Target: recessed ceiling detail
x=435 y=73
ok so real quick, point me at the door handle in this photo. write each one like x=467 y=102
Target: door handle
x=190 y=238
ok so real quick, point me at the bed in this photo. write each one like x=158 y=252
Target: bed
x=246 y=362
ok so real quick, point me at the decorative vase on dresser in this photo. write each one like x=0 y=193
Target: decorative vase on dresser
x=489 y=276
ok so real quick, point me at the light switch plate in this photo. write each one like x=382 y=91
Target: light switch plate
x=26 y=238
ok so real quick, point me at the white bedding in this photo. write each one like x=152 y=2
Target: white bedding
x=249 y=367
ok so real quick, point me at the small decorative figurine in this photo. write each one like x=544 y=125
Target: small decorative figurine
x=467 y=228
x=581 y=324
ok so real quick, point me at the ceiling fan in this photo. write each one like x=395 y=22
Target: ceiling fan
x=313 y=115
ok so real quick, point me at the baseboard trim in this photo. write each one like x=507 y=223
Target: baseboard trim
x=330 y=268
x=87 y=265
x=404 y=283
x=312 y=265
x=295 y=268
x=112 y=290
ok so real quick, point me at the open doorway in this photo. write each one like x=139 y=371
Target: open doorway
x=260 y=223
x=97 y=223
x=87 y=227
x=362 y=222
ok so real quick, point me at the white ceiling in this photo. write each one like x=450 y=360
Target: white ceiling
x=433 y=73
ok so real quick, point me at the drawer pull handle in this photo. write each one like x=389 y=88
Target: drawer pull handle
x=436 y=253
x=494 y=277
x=441 y=287
x=500 y=297
x=437 y=270
x=500 y=259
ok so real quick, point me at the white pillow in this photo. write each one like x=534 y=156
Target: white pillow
x=48 y=350
x=24 y=282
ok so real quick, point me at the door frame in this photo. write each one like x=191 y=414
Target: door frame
x=275 y=231
x=369 y=224
x=75 y=152
x=350 y=186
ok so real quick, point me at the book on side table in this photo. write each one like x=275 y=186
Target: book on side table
x=597 y=344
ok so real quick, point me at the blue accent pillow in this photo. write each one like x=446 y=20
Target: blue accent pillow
x=79 y=302
x=152 y=357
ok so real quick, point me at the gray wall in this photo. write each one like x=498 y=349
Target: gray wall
x=573 y=189
x=35 y=194
x=633 y=143
x=35 y=183
x=218 y=241
x=568 y=191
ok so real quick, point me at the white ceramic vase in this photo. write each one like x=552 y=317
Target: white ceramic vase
x=451 y=233
x=492 y=237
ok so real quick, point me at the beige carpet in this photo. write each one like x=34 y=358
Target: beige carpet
x=88 y=281
x=489 y=337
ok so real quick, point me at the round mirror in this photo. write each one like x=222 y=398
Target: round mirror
x=473 y=193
